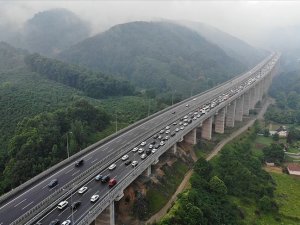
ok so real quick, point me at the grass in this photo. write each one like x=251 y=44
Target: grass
x=159 y=195
x=287 y=194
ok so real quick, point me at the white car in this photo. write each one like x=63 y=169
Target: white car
x=66 y=222
x=143 y=143
x=182 y=128
x=185 y=117
x=177 y=129
x=194 y=99
x=167 y=127
x=167 y=131
x=175 y=123
x=62 y=204
x=187 y=105
x=150 y=146
x=143 y=156
x=161 y=131
x=154 y=150
x=166 y=137
x=112 y=166
x=82 y=190
x=134 y=163
x=141 y=150
x=162 y=143
x=135 y=149
x=125 y=157
x=94 y=198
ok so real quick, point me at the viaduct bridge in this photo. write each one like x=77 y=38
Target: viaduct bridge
x=34 y=202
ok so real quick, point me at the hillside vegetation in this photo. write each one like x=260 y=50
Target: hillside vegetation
x=156 y=55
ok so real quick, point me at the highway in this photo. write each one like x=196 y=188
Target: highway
x=24 y=201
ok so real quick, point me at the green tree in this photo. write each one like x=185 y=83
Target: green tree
x=217 y=185
x=276 y=137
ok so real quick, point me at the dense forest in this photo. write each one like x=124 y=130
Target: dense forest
x=95 y=85
x=237 y=172
x=40 y=142
x=286 y=90
x=156 y=55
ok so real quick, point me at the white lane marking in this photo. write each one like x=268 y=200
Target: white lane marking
x=89 y=158
x=63 y=211
x=94 y=160
x=27 y=205
x=47 y=214
x=19 y=203
x=76 y=172
x=104 y=149
x=69 y=170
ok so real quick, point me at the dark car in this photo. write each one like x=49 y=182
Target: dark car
x=173 y=134
x=155 y=136
x=53 y=183
x=148 y=151
x=54 y=222
x=128 y=162
x=190 y=121
x=157 y=146
x=153 y=142
x=105 y=179
x=79 y=163
x=75 y=205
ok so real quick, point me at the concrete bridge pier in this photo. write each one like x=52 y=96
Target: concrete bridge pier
x=256 y=88
x=174 y=148
x=252 y=98
x=191 y=137
x=246 y=105
x=206 y=129
x=107 y=217
x=149 y=171
x=239 y=108
x=230 y=115
x=220 y=121
x=261 y=87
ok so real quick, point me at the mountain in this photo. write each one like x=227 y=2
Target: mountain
x=234 y=47
x=51 y=31
x=156 y=55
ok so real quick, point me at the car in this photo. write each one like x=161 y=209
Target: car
x=173 y=112
x=180 y=123
x=185 y=124
x=53 y=183
x=75 y=205
x=112 y=182
x=82 y=190
x=198 y=116
x=143 y=143
x=134 y=163
x=94 y=198
x=157 y=146
x=66 y=222
x=159 y=137
x=166 y=138
x=79 y=163
x=190 y=113
x=162 y=143
x=62 y=205
x=175 y=123
x=182 y=128
x=167 y=127
x=125 y=157
x=98 y=177
x=194 y=99
x=190 y=121
x=54 y=222
x=167 y=131
x=143 y=156
x=187 y=105
x=153 y=142
x=154 y=150
x=141 y=150
x=105 y=179
x=185 y=117
x=135 y=149
x=161 y=131
x=173 y=134
x=112 y=166
x=150 y=146
x=155 y=136
x=127 y=162
x=148 y=152
x=177 y=129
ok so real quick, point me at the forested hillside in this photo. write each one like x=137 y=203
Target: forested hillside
x=40 y=142
x=156 y=55
x=234 y=47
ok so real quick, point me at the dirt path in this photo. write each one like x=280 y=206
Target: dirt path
x=218 y=147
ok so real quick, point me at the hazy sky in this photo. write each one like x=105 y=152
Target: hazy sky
x=248 y=20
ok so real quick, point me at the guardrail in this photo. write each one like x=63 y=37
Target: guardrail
x=54 y=198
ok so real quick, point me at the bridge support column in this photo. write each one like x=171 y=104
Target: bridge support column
x=191 y=137
x=246 y=103
x=207 y=129
x=174 y=148
x=230 y=115
x=107 y=217
x=252 y=98
x=261 y=87
x=256 y=93
x=149 y=171
x=239 y=108
x=220 y=121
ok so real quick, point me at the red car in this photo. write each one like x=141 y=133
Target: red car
x=112 y=182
